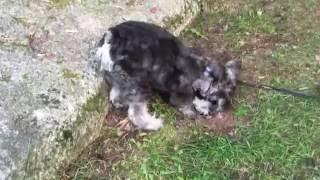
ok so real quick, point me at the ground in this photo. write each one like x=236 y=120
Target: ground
x=266 y=135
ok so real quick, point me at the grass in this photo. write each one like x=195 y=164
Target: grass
x=60 y=3
x=280 y=142
x=69 y=74
x=280 y=136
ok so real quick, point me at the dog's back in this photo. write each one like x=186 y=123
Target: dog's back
x=152 y=55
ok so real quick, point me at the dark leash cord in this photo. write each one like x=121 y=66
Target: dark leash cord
x=281 y=90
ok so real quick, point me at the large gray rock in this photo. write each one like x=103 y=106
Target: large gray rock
x=51 y=104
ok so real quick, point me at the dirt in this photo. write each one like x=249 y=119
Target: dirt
x=219 y=123
x=261 y=44
x=114 y=117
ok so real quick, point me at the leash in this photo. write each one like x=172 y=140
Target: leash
x=281 y=90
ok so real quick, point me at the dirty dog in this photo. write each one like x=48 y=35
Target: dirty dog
x=140 y=59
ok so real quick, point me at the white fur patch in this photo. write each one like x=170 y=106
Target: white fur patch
x=113 y=97
x=138 y=114
x=221 y=103
x=103 y=53
x=231 y=75
x=202 y=106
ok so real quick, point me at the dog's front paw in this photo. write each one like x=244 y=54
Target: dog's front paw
x=154 y=124
x=139 y=115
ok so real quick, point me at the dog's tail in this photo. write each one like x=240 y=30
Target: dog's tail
x=281 y=90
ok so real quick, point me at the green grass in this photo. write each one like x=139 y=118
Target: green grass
x=60 y=3
x=68 y=74
x=280 y=139
x=251 y=21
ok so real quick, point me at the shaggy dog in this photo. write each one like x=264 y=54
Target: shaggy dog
x=140 y=59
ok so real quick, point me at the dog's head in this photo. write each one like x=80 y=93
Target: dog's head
x=213 y=90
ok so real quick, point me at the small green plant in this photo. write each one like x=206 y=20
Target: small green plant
x=69 y=74
x=252 y=21
x=60 y=3
x=195 y=33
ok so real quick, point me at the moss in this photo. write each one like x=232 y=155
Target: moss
x=60 y=61
x=60 y=3
x=95 y=6
x=67 y=135
x=21 y=20
x=95 y=104
x=69 y=74
x=25 y=77
x=131 y=3
x=13 y=44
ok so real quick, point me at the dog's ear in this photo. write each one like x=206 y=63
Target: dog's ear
x=102 y=40
x=233 y=68
x=216 y=70
x=106 y=37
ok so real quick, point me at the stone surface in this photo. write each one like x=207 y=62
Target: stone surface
x=51 y=103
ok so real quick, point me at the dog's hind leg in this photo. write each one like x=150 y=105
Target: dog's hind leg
x=139 y=115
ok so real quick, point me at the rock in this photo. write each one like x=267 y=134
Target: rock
x=51 y=103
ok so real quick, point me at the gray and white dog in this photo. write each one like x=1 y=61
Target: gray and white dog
x=140 y=59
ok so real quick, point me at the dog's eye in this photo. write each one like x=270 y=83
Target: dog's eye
x=199 y=94
x=214 y=102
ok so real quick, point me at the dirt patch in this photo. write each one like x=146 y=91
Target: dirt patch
x=219 y=123
x=114 y=117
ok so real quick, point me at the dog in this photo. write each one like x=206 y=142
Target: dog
x=140 y=59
